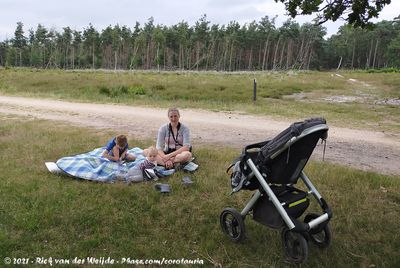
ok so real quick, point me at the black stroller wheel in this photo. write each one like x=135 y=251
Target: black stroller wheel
x=295 y=245
x=232 y=224
x=321 y=235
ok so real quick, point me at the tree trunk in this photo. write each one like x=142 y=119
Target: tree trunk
x=306 y=53
x=259 y=56
x=376 y=49
x=20 y=58
x=249 y=67
x=30 y=55
x=148 y=55
x=115 y=60
x=275 y=54
x=157 y=59
x=265 y=54
x=281 y=58
x=309 y=60
x=165 y=57
x=370 y=54
x=93 y=56
x=224 y=55
x=197 y=55
x=189 y=57
x=180 y=57
x=268 y=56
x=340 y=63
x=354 y=51
x=43 y=57
x=289 y=54
x=210 y=56
x=135 y=49
x=73 y=58
x=300 y=56
x=230 y=58
x=239 y=61
x=66 y=57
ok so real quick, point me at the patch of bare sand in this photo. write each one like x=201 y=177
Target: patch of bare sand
x=366 y=150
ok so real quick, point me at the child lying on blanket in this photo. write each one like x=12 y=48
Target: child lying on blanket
x=117 y=149
x=135 y=174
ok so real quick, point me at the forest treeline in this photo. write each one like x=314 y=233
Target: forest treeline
x=205 y=46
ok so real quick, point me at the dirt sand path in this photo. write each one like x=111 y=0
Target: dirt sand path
x=365 y=150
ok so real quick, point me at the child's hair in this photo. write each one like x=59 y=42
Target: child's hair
x=121 y=140
x=152 y=150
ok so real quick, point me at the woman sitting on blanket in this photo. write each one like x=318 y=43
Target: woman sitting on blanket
x=117 y=149
x=173 y=141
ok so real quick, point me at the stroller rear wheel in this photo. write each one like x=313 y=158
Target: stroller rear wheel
x=295 y=245
x=232 y=224
x=321 y=235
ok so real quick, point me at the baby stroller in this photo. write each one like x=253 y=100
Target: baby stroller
x=272 y=168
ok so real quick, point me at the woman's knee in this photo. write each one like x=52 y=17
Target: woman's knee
x=186 y=156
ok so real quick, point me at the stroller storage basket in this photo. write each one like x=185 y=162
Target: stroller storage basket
x=295 y=203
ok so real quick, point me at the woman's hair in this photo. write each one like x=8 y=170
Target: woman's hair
x=173 y=110
x=121 y=140
x=152 y=150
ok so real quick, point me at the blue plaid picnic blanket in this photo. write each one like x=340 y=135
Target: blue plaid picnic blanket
x=92 y=166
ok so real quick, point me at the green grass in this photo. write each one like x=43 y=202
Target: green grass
x=223 y=91
x=42 y=214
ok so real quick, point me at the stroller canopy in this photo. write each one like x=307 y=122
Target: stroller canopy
x=293 y=133
x=281 y=159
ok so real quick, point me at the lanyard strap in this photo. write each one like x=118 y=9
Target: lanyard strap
x=177 y=133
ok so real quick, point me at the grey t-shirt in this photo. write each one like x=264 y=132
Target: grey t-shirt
x=166 y=139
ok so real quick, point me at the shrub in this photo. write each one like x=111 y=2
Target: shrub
x=104 y=90
x=137 y=91
x=220 y=88
x=384 y=70
x=114 y=91
x=158 y=87
x=124 y=89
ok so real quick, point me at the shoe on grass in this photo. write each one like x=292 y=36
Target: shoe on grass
x=187 y=181
x=162 y=187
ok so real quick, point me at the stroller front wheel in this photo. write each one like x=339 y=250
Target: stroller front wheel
x=321 y=235
x=295 y=245
x=232 y=224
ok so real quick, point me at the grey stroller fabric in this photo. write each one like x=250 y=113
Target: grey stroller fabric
x=293 y=131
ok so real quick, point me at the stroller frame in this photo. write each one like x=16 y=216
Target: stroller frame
x=314 y=224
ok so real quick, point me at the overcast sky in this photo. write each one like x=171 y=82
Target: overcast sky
x=77 y=14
